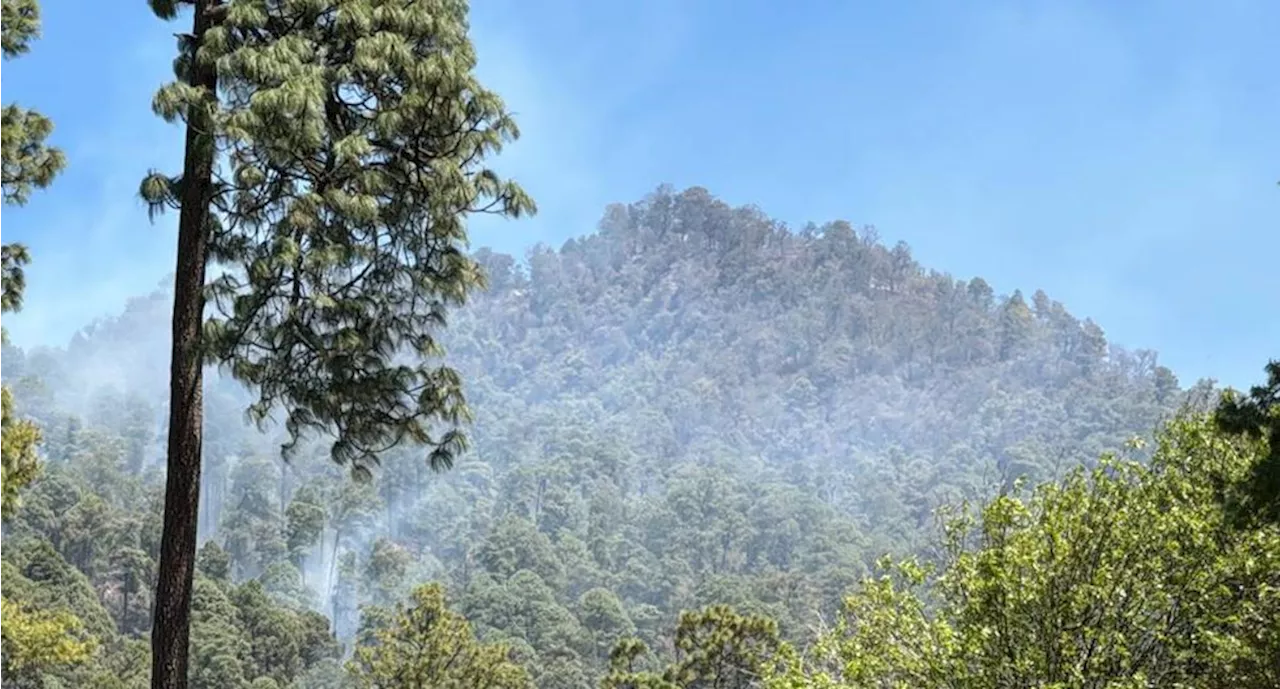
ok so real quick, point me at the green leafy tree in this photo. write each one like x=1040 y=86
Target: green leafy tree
x=604 y=616
x=21 y=464
x=132 y=568
x=223 y=655
x=304 y=524
x=515 y=545
x=1015 y=325
x=352 y=138
x=54 y=627
x=715 y=648
x=1128 y=575
x=425 y=645
x=352 y=508
x=274 y=634
x=385 y=571
x=213 y=562
x=36 y=642
x=1257 y=415
x=284 y=582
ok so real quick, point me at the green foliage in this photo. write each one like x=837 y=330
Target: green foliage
x=885 y=636
x=37 y=640
x=86 y=557
x=354 y=136
x=743 y=417
x=240 y=637
x=220 y=651
x=604 y=615
x=305 y=519
x=1257 y=415
x=213 y=562
x=36 y=643
x=334 y=151
x=20 y=464
x=427 y=645
x=1126 y=575
x=39 y=577
x=56 y=632
x=20 y=20
x=714 y=648
x=385 y=571
x=26 y=163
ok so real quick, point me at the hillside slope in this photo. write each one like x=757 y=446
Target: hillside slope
x=821 y=345
x=691 y=405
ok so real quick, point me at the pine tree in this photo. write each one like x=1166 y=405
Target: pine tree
x=334 y=149
x=30 y=640
x=425 y=644
x=26 y=163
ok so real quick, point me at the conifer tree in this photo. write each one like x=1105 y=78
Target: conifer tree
x=333 y=151
x=26 y=163
x=425 y=644
x=34 y=640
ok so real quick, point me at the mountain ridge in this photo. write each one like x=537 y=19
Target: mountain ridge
x=691 y=406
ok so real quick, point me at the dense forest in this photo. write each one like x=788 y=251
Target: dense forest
x=705 y=450
x=691 y=407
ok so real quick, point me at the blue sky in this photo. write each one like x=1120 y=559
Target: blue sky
x=1123 y=156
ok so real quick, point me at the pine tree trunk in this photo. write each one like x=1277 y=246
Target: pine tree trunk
x=124 y=603
x=172 y=628
x=333 y=567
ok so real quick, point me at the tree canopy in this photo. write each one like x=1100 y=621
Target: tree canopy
x=28 y=163
x=670 y=418
x=1257 y=415
x=334 y=149
x=697 y=449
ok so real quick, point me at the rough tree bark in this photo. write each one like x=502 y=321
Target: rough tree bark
x=171 y=630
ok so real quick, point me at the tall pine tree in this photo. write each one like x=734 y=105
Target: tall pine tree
x=334 y=149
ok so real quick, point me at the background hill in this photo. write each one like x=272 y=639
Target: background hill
x=692 y=405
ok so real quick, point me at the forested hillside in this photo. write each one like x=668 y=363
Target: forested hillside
x=691 y=406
